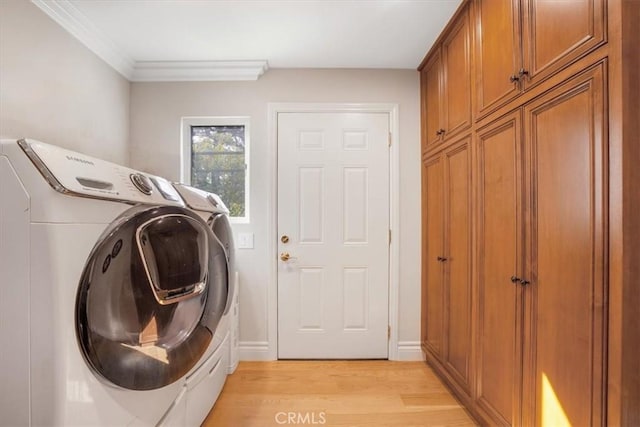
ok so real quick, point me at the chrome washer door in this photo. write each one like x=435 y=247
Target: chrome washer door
x=146 y=305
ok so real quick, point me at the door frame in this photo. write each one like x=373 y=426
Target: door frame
x=273 y=110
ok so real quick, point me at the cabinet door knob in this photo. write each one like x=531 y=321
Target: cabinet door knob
x=515 y=279
x=524 y=282
x=441 y=259
x=516 y=77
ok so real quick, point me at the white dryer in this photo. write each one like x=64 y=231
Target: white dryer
x=108 y=294
x=212 y=209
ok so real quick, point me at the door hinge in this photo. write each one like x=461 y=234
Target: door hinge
x=389 y=236
x=390 y=138
x=388 y=332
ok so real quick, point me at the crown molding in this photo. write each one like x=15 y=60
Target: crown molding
x=75 y=22
x=180 y=71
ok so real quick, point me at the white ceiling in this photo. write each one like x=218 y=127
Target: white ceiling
x=285 y=33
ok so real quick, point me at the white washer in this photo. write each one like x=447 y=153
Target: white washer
x=213 y=210
x=108 y=299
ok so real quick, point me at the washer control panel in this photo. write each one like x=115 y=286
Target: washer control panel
x=142 y=183
x=212 y=200
x=69 y=172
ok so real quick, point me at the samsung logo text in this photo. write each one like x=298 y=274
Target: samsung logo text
x=79 y=160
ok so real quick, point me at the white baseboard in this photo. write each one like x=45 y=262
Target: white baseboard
x=409 y=351
x=254 y=351
x=259 y=351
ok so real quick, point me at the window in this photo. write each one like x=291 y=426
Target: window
x=215 y=159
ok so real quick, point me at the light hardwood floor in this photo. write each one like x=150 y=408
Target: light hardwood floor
x=340 y=393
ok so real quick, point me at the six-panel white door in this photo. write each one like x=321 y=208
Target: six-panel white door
x=333 y=224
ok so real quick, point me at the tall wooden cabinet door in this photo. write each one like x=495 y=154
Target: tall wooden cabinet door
x=500 y=257
x=556 y=33
x=423 y=111
x=431 y=85
x=458 y=261
x=565 y=311
x=497 y=53
x=432 y=252
x=456 y=61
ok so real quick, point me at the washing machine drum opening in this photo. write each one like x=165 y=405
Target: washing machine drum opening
x=151 y=295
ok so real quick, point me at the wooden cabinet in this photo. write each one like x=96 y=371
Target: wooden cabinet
x=553 y=189
x=456 y=69
x=446 y=260
x=497 y=54
x=500 y=257
x=541 y=254
x=556 y=33
x=520 y=43
x=566 y=166
x=431 y=84
x=432 y=251
x=456 y=261
x=445 y=85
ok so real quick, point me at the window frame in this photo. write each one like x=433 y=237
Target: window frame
x=185 y=165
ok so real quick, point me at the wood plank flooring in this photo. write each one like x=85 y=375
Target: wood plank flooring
x=335 y=393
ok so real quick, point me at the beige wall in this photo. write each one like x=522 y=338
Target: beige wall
x=156 y=109
x=54 y=89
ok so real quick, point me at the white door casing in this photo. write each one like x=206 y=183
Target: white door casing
x=333 y=205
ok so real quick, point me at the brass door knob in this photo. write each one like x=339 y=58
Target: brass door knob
x=284 y=256
x=284 y=238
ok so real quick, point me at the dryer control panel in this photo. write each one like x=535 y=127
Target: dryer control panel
x=201 y=200
x=72 y=173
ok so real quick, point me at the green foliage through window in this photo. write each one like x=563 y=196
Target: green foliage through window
x=218 y=163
